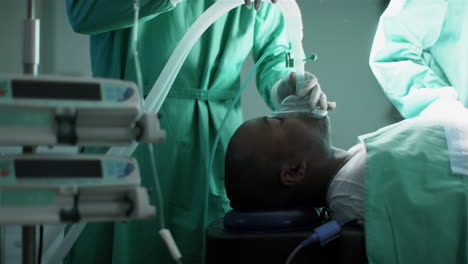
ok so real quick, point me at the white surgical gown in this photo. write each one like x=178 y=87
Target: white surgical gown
x=420 y=53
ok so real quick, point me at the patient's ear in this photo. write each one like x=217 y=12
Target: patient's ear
x=292 y=173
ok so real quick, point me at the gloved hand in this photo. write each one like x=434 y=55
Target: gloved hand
x=257 y=3
x=287 y=86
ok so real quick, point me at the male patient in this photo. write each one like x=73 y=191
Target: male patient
x=405 y=181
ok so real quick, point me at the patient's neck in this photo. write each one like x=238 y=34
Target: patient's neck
x=340 y=158
x=314 y=193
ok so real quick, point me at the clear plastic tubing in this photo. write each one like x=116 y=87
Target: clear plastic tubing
x=293 y=23
x=159 y=91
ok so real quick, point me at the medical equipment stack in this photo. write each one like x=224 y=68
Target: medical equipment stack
x=59 y=188
x=45 y=188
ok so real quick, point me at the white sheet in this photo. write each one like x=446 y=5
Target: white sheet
x=456 y=132
x=454 y=116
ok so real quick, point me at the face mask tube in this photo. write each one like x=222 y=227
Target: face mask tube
x=295 y=106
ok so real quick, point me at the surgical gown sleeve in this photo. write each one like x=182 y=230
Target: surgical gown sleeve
x=97 y=16
x=269 y=34
x=400 y=58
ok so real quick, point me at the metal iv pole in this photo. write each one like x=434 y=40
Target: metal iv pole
x=31 y=40
x=30 y=66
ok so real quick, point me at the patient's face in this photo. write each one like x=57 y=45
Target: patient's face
x=261 y=147
x=301 y=138
x=296 y=132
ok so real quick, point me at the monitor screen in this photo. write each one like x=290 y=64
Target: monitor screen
x=36 y=168
x=60 y=90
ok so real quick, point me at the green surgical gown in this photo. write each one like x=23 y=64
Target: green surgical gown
x=415 y=204
x=194 y=109
x=420 y=53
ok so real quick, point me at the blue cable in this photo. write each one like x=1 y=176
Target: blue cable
x=323 y=234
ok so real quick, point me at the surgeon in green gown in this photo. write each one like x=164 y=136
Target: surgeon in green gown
x=191 y=114
x=420 y=53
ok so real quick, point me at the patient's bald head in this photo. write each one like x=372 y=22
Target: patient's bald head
x=276 y=163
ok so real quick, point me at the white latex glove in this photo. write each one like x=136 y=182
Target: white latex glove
x=257 y=4
x=287 y=86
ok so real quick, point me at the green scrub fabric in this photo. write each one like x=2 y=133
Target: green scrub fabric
x=420 y=53
x=415 y=207
x=194 y=109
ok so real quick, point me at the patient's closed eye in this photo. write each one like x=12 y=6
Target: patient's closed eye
x=277 y=118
